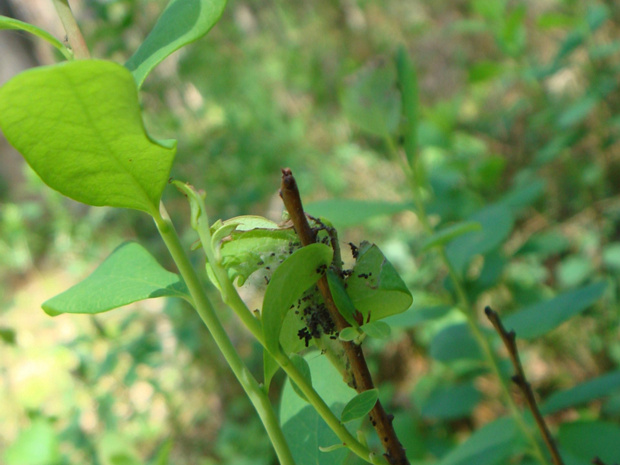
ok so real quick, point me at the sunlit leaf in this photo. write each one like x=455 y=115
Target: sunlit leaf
x=377 y=329
x=128 y=275
x=79 y=126
x=360 y=405
x=182 y=22
x=37 y=444
x=375 y=286
x=296 y=274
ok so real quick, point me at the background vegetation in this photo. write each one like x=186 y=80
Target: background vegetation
x=520 y=110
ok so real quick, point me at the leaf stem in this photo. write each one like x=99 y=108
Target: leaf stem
x=74 y=35
x=12 y=23
x=462 y=301
x=205 y=310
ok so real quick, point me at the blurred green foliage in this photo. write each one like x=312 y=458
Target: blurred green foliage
x=518 y=130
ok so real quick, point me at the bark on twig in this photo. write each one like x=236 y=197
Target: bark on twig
x=381 y=421
x=509 y=339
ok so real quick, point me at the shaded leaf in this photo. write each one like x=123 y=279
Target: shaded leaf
x=449 y=233
x=296 y=274
x=454 y=342
x=302 y=366
x=542 y=317
x=582 y=393
x=341 y=298
x=128 y=275
x=79 y=126
x=302 y=425
x=377 y=329
x=182 y=22
x=451 y=402
x=360 y=405
x=347 y=212
x=585 y=440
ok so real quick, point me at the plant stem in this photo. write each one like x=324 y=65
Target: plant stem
x=205 y=309
x=74 y=35
x=463 y=302
x=200 y=222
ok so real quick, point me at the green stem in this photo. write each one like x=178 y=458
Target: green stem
x=12 y=23
x=230 y=296
x=463 y=302
x=74 y=35
x=205 y=309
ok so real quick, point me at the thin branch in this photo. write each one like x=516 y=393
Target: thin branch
x=362 y=381
x=509 y=339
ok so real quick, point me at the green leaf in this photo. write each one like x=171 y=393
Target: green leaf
x=347 y=212
x=585 y=440
x=270 y=368
x=419 y=315
x=449 y=233
x=302 y=366
x=35 y=445
x=542 y=317
x=453 y=343
x=162 y=457
x=341 y=298
x=349 y=334
x=12 y=23
x=492 y=444
x=360 y=405
x=303 y=428
x=128 y=275
x=78 y=125
x=593 y=389
x=182 y=22
x=375 y=287
x=377 y=329
x=451 y=402
x=296 y=274
x=371 y=100
x=409 y=96
x=496 y=221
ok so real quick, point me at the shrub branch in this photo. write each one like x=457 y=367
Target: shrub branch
x=362 y=381
x=509 y=340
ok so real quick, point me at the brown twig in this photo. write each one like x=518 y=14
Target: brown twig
x=509 y=339
x=362 y=381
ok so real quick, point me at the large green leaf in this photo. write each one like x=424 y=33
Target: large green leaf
x=542 y=317
x=584 y=440
x=455 y=342
x=375 y=287
x=492 y=444
x=582 y=393
x=295 y=275
x=182 y=22
x=303 y=428
x=128 y=275
x=451 y=401
x=78 y=125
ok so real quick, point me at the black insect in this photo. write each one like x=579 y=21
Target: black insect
x=355 y=251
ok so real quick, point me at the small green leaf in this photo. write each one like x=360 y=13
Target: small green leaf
x=11 y=23
x=593 y=389
x=492 y=444
x=542 y=317
x=377 y=329
x=303 y=367
x=375 y=287
x=128 y=275
x=182 y=22
x=348 y=212
x=296 y=274
x=349 y=334
x=449 y=233
x=371 y=100
x=409 y=97
x=341 y=298
x=360 y=405
x=78 y=125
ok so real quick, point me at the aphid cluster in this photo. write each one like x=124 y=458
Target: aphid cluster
x=313 y=312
